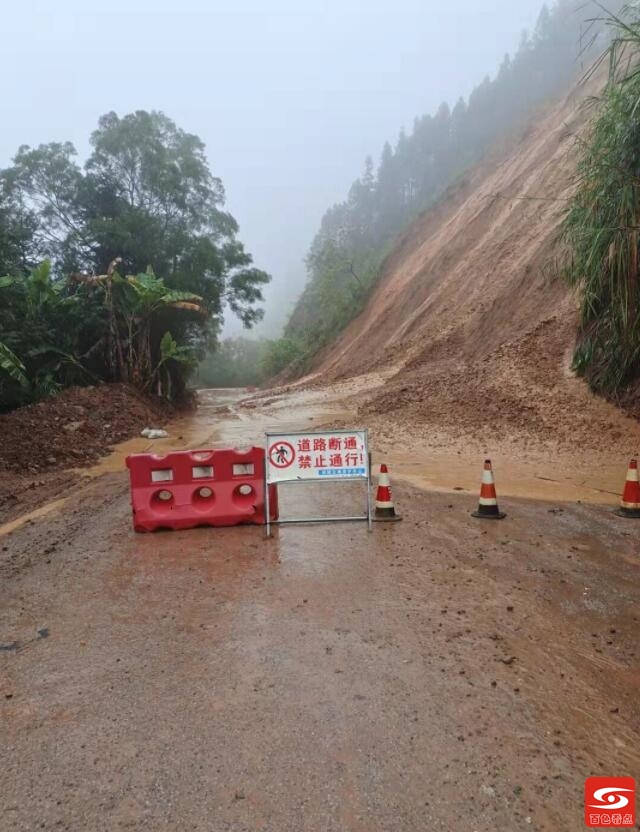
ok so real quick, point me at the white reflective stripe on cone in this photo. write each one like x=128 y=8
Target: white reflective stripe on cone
x=629 y=505
x=383 y=480
x=384 y=505
x=488 y=501
x=487 y=477
x=632 y=475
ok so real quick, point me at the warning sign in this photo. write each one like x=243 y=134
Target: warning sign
x=317 y=456
x=282 y=455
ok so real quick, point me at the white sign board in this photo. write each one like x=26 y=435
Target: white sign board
x=325 y=456
x=317 y=456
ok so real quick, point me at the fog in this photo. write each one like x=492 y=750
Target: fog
x=289 y=95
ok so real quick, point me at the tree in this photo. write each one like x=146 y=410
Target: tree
x=146 y=195
x=236 y=363
x=388 y=190
x=17 y=232
x=40 y=332
x=545 y=25
x=48 y=182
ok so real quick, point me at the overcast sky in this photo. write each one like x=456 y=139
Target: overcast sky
x=288 y=95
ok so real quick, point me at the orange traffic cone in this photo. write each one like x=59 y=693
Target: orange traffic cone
x=385 y=509
x=488 y=507
x=630 y=502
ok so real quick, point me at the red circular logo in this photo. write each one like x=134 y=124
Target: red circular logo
x=282 y=454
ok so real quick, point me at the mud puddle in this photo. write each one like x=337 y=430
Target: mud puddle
x=552 y=480
x=229 y=418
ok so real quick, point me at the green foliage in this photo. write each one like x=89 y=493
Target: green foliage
x=335 y=297
x=37 y=324
x=146 y=196
x=172 y=356
x=348 y=252
x=12 y=366
x=114 y=328
x=284 y=353
x=238 y=362
x=602 y=226
x=144 y=203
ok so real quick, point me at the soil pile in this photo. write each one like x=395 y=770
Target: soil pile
x=520 y=390
x=75 y=428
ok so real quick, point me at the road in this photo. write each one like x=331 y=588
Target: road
x=438 y=674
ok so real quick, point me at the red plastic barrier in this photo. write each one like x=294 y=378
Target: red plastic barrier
x=185 y=489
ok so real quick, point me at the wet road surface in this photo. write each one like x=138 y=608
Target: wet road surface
x=438 y=674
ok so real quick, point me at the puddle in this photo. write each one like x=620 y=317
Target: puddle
x=548 y=479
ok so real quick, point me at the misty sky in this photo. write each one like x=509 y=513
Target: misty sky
x=288 y=95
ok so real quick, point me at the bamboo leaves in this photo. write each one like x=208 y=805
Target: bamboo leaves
x=603 y=223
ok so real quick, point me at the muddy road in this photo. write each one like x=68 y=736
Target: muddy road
x=439 y=674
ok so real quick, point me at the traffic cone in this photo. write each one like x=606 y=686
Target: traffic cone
x=385 y=509
x=630 y=502
x=488 y=507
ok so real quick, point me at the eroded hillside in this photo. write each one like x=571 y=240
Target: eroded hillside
x=470 y=321
x=450 y=287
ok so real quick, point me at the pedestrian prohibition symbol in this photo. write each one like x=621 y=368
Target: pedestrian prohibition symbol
x=282 y=454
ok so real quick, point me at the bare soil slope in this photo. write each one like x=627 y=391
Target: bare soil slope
x=470 y=315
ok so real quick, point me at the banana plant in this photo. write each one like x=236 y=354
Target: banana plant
x=12 y=366
x=169 y=351
x=135 y=307
x=141 y=306
x=89 y=328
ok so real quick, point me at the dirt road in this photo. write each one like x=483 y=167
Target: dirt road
x=438 y=674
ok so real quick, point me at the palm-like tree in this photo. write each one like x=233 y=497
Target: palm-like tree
x=105 y=327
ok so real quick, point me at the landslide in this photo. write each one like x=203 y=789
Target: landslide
x=470 y=323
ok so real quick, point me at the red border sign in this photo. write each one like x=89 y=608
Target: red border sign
x=282 y=455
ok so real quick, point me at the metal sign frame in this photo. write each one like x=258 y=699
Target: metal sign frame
x=296 y=480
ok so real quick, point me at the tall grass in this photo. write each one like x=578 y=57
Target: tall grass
x=602 y=226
